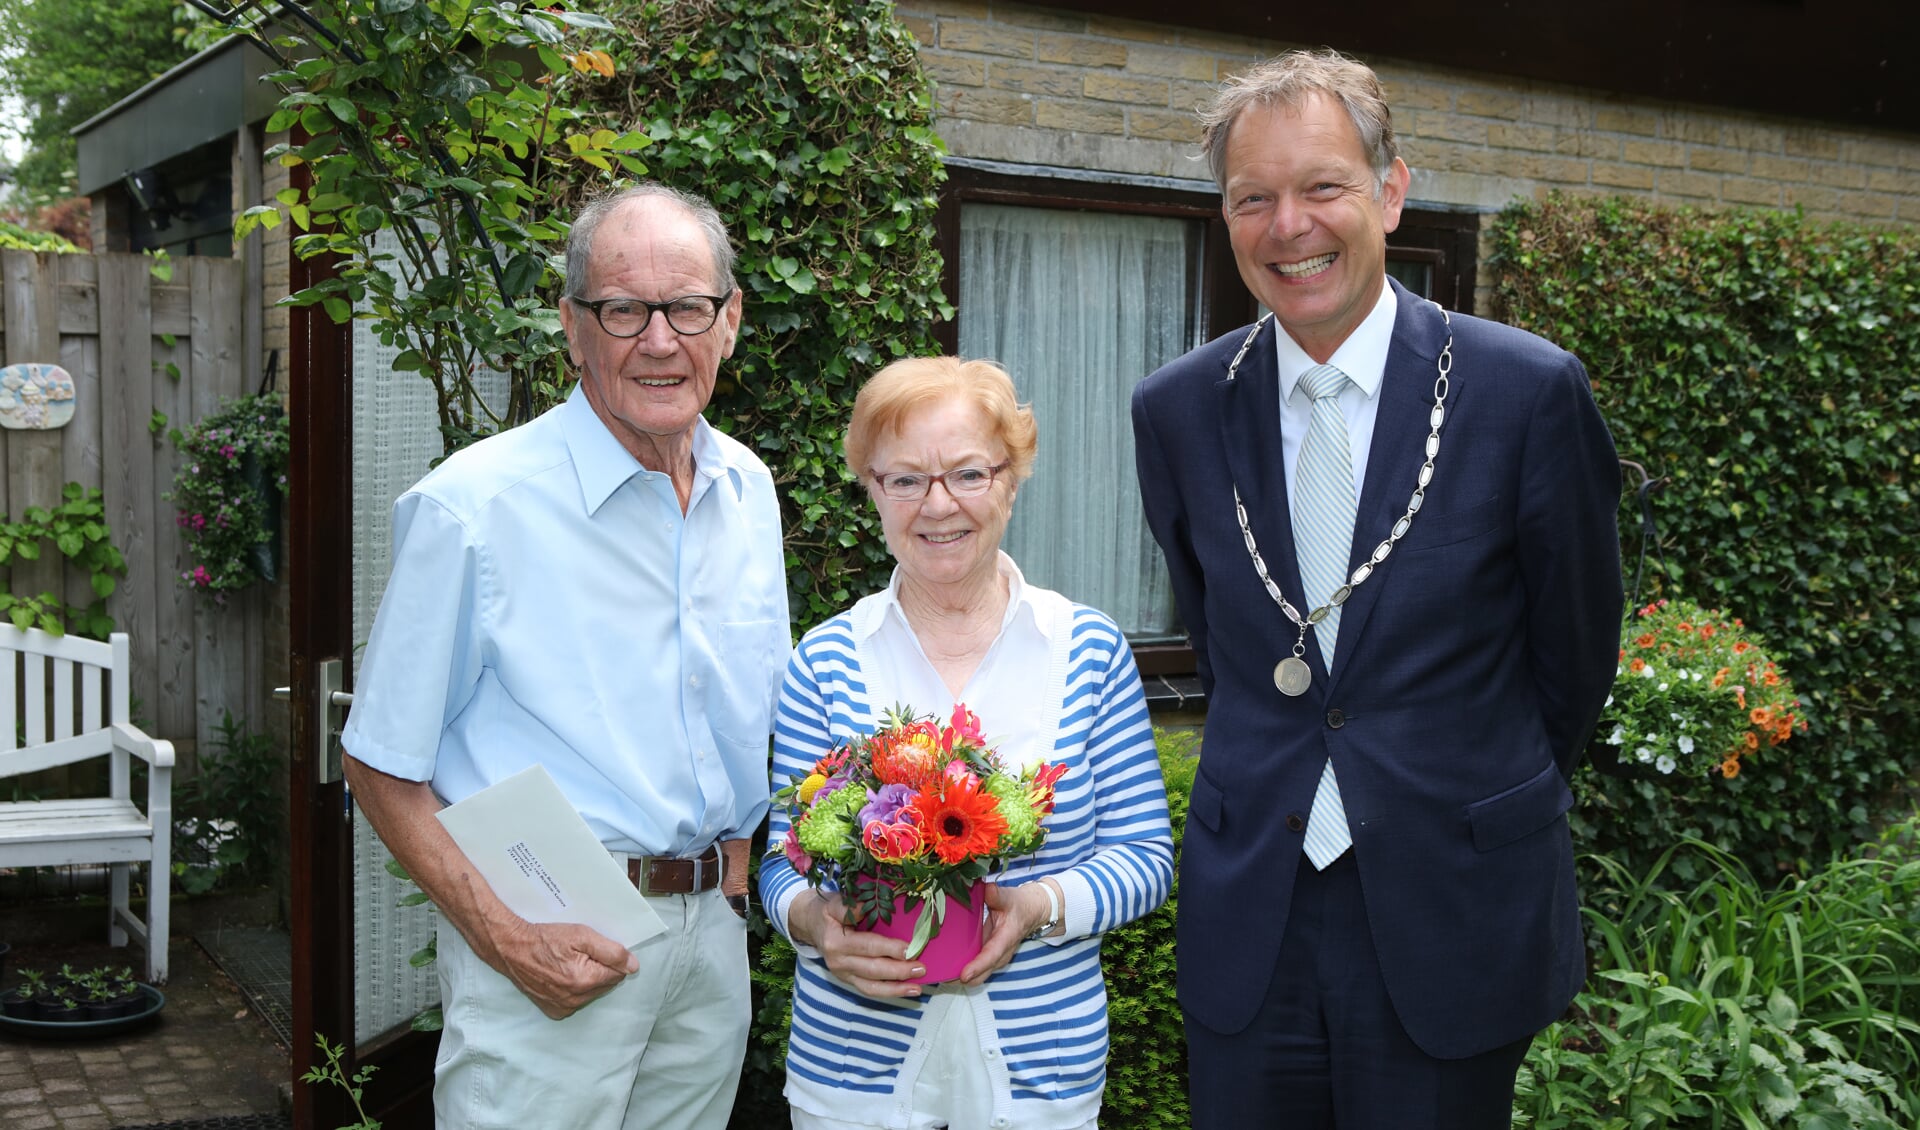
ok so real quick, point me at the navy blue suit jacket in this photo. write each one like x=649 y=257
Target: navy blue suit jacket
x=1472 y=666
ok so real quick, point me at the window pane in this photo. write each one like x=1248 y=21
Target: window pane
x=1415 y=275
x=1078 y=307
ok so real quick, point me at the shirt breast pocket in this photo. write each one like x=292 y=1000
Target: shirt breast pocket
x=750 y=653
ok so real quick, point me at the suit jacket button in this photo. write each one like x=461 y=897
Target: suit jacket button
x=1336 y=719
x=1295 y=823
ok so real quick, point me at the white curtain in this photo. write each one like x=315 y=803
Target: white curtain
x=1078 y=307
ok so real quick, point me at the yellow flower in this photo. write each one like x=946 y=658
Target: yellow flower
x=811 y=786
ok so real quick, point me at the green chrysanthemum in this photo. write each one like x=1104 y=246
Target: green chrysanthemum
x=828 y=832
x=1023 y=823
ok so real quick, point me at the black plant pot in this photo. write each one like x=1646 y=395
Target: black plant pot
x=5 y=949
x=53 y=1012
x=13 y=1003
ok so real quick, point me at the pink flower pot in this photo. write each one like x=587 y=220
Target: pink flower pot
x=955 y=943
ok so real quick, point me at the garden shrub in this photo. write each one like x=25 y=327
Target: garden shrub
x=808 y=124
x=1765 y=365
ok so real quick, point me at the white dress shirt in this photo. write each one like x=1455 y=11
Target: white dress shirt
x=1363 y=358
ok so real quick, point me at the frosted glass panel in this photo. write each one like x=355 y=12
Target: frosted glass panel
x=396 y=438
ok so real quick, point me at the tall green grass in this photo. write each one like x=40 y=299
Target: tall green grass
x=1730 y=1005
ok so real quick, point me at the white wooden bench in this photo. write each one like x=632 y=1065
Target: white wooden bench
x=53 y=691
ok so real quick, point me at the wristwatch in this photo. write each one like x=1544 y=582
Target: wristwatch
x=738 y=903
x=1053 y=912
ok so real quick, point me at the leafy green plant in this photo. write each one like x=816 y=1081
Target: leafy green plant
x=1762 y=364
x=1729 y=1004
x=228 y=491
x=13 y=237
x=78 y=529
x=333 y=1072
x=231 y=811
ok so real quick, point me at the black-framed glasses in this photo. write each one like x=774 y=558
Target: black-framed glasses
x=690 y=315
x=961 y=482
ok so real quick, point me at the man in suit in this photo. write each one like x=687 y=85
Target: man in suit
x=1377 y=905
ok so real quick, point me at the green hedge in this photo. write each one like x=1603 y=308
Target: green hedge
x=1765 y=365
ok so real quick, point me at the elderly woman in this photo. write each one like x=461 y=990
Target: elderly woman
x=1021 y=1039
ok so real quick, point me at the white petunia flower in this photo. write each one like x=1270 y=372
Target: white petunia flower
x=1685 y=743
x=1643 y=754
x=1618 y=736
x=1665 y=764
x=1646 y=672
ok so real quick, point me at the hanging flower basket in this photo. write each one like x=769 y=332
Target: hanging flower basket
x=1695 y=695
x=228 y=492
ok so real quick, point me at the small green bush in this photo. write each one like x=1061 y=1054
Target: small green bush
x=1765 y=365
x=13 y=237
x=1733 y=1005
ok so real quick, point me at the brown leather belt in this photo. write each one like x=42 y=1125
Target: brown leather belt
x=666 y=875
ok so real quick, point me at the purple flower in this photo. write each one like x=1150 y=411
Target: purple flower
x=827 y=789
x=885 y=805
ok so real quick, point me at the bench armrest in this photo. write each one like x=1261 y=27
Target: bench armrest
x=132 y=739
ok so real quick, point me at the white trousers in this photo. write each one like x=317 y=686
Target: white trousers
x=954 y=1090
x=661 y=1051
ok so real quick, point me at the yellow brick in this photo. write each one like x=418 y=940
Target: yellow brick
x=1586 y=143
x=1664 y=153
x=1751 y=136
x=1623 y=176
x=1450 y=127
x=1708 y=160
x=953 y=70
x=1682 y=126
x=1080 y=117
x=1505 y=135
x=1131 y=30
x=1191 y=95
x=1887 y=180
x=1838 y=176
x=986 y=39
x=1562 y=170
x=1118 y=88
x=921 y=27
x=1746 y=190
x=1804 y=142
x=1869 y=204
x=1021 y=79
x=1164 y=125
x=1081 y=51
x=1413 y=95
x=1163 y=62
x=1448 y=157
x=1813 y=198
x=1553 y=110
x=1673 y=183
x=985 y=106
x=1039 y=18
x=1491 y=104
x=1860 y=151
x=1780 y=168
x=1622 y=119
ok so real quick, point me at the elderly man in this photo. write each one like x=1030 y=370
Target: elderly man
x=1391 y=536
x=600 y=592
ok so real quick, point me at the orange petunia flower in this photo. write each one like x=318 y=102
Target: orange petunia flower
x=1740 y=696
x=1645 y=640
x=1752 y=740
x=1683 y=626
x=1720 y=677
x=1730 y=767
x=1770 y=679
x=1637 y=666
x=959 y=821
x=1706 y=631
x=1741 y=647
x=1761 y=715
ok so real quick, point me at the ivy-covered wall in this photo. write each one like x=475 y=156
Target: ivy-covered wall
x=1768 y=367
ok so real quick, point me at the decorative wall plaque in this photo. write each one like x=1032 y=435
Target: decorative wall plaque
x=35 y=397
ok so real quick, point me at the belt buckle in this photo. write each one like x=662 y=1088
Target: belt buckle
x=645 y=883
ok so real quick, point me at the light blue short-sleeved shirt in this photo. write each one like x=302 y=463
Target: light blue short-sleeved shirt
x=550 y=604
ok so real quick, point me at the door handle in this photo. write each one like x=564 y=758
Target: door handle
x=331 y=703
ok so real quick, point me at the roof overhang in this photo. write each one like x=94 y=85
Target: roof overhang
x=203 y=99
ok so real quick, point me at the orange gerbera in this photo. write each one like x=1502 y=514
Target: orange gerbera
x=959 y=821
x=1730 y=767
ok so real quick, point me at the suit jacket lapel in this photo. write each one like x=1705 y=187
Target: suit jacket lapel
x=1249 y=413
x=1399 y=448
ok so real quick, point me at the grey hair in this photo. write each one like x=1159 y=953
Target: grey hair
x=1290 y=80
x=587 y=224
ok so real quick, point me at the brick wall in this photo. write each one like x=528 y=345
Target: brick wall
x=1033 y=85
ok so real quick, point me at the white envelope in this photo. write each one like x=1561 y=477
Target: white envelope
x=543 y=861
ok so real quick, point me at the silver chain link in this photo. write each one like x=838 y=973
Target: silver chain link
x=1441 y=386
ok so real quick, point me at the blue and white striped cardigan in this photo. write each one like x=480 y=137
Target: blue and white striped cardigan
x=1108 y=845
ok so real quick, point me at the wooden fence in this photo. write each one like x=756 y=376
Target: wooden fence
x=117 y=330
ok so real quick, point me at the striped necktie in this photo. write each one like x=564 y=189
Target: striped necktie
x=1322 y=540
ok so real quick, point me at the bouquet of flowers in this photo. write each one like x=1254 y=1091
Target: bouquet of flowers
x=1695 y=692
x=916 y=811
